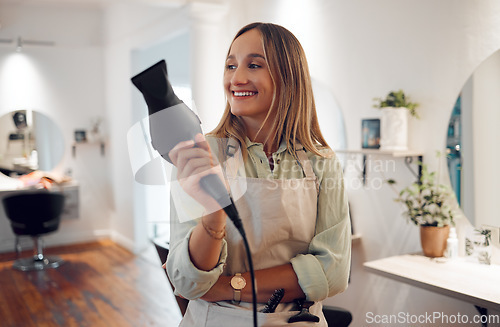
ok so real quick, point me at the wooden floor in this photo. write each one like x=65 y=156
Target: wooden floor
x=100 y=284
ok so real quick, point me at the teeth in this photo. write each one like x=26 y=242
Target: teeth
x=243 y=94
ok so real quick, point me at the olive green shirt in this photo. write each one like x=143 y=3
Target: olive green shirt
x=322 y=272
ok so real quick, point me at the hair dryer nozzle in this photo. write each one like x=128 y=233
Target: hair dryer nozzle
x=155 y=87
x=176 y=124
x=167 y=127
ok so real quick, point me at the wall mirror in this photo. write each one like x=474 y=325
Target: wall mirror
x=330 y=116
x=472 y=140
x=29 y=140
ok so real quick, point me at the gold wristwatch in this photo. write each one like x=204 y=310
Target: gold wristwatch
x=237 y=283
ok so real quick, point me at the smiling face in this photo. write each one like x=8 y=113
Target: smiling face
x=267 y=73
x=247 y=82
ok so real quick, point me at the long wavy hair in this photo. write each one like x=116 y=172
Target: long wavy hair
x=293 y=106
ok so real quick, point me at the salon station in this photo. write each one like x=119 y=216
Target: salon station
x=77 y=167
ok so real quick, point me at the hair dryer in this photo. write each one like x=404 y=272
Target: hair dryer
x=171 y=121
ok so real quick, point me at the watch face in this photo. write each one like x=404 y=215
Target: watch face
x=238 y=282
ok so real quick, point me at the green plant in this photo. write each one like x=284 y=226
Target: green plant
x=427 y=202
x=479 y=245
x=397 y=99
x=487 y=235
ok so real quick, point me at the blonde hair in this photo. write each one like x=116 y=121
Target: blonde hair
x=293 y=104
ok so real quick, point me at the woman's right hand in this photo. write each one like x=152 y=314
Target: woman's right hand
x=194 y=161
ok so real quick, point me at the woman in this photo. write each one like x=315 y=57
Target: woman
x=294 y=210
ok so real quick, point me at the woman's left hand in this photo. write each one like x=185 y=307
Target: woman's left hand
x=268 y=279
x=220 y=291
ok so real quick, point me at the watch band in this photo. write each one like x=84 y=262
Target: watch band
x=237 y=283
x=237 y=296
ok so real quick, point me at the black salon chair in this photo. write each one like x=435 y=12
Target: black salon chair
x=35 y=214
x=337 y=317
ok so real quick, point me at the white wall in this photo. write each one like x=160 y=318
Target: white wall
x=130 y=28
x=66 y=83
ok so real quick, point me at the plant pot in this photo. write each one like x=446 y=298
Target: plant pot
x=433 y=240
x=394 y=129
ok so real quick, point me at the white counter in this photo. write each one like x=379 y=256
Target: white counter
x=472 y=282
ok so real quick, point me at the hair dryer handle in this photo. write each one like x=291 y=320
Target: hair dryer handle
x=216 y=189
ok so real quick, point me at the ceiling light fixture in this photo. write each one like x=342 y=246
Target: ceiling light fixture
x=20 y=43
x=6 y=40
x=19 y=47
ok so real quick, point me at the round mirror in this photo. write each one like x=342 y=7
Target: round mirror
x=472 y=137
x=330 y=116
x=29 y=141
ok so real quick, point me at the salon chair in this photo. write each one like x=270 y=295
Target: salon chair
x=337 y=317
x=162 y=247
x=34 y=214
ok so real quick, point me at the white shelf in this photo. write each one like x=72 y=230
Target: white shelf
x=408 y=155
x=87 y=143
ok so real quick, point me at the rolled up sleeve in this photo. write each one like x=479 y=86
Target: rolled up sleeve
x=324 y=270
x=190 y=282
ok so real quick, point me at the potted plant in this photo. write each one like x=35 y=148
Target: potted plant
x=396 y=107
x=428 y=205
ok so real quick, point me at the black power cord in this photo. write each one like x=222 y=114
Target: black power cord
x=233 y=214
